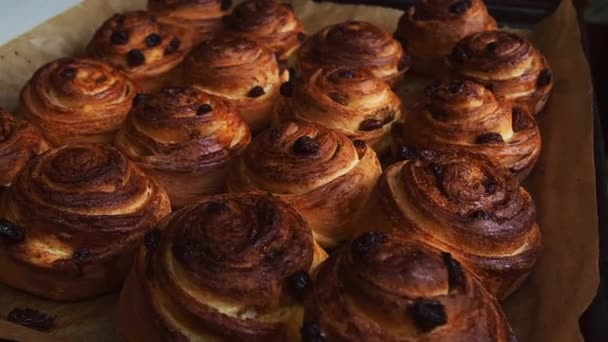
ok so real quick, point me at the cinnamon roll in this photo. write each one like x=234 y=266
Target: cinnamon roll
x=351 y=101
x=185 y=139
x=232 y=267
x=507 y=64
x=271 y=24
x=465 y=204
x=354 y=44
x=382 y=287
x=77 y=100
x=241 y=71
x=194 y=20
x=144 y=50
x=19 y=142
x=431 y=28
x=323 y=174
x=71 y=220
x=466 y=115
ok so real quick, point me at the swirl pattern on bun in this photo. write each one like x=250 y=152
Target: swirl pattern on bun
x=77 y=100
x=351 y=101
x=144 y=50
x=465 y=204
x=231 y=267
x=466 y=115
x=244 y=73
x=507 y=64
x=430 y=29
x=194 y=20
x=185 y=139
x=79 y=211
x=354 y=44
x=19 y=142
x=271 y=24
x=381 y=287
x=326 y=176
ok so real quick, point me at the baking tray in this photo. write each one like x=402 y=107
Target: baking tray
x=60 y=41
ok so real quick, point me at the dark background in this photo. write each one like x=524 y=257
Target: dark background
x=594 y=36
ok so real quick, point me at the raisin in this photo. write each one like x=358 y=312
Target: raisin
x=10 y=232
x=31 y=318
x=136 y=58
x=437 y=170
x=204 y=109
x=359 y=144
x=370 y=125
x=173 y=46
x=69 y=73
x=519 y=120
x=544 y=78
x=346 y=74
x=153 y=40
x=455 y=273
x=366 y=242
x=459 y=54
x=305 y=145
x=460 y=7
x=490 y=185
x=119 y=38
x=489 y=138
x=428 y=314
x=299 y=284
x=256 y=91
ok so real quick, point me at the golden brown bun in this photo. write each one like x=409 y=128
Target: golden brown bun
x=79 y=211
x=271 y=24
x=194 y=20
x=381 y=287
x=465 y=115
x=354 y=44
x=77 y=100
x=234 y=267
x=144 y=50
x=352 y=101
x=507 y=64
x=431 y=28
x=19 y=142
x=185 y=139
x=241 y=71
x=465 y=204
x=323 y=174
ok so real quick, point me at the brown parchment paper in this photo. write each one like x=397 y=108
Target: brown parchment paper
x=564 y=281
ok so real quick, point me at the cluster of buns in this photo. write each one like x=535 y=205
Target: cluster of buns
x=266 y=144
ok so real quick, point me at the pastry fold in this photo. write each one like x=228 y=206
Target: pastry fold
x=77 y=213
x=232 y=267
